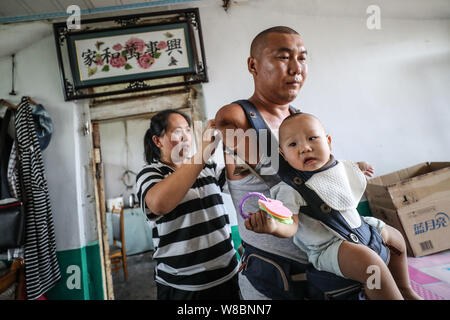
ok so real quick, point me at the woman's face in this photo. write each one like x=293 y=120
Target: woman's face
x=175 y=143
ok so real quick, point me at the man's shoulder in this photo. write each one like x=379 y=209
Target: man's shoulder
x=233 y=108
x=231 y=113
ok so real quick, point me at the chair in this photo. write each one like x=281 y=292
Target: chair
x=16 y=275
x=117 y=254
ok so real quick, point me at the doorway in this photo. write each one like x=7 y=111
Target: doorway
x=118 y=128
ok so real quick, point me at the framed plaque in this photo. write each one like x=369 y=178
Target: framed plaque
x=148 y=46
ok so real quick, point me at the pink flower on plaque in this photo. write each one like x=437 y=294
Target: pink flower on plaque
x=98 y=61
x=117 y=47
x=145 y=61
x=118 y=61
x=162 y=45
x=135 y=45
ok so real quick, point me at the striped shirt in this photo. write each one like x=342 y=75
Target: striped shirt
x=193 y=246
x=42 y=270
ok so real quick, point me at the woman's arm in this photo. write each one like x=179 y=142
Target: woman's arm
x=164 y=196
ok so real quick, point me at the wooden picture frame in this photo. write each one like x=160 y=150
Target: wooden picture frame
x=149 y=46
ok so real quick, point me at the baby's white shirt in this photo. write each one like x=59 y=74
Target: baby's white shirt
x=340 y=187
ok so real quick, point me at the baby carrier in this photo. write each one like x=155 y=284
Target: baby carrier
x=321 y=284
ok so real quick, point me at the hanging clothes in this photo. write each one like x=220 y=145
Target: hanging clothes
x=7 y=190
x=41 y=265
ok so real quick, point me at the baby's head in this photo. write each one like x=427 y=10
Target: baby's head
x=303 y=142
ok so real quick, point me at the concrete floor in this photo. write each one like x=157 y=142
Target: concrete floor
x=140 y=284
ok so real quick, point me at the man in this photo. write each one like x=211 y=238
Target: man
x=277 y=63
x=273 y=268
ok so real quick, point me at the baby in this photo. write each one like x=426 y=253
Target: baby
x=305 y=145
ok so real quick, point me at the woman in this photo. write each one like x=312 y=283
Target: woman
x=181 y=197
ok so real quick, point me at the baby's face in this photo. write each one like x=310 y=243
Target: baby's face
x=304 y=143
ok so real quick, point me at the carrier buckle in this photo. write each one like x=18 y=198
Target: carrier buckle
x=325 y=208
x=298 y=180
x=354 y=237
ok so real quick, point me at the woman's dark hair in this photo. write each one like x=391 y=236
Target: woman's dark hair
x=158 y=126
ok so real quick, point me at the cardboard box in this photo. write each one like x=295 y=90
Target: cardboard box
x=416 y=201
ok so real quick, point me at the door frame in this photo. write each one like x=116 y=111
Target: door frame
x=125 y=109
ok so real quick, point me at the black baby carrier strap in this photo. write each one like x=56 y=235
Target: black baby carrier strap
x=257 y=122
x=319 y=210
x=321 y=284
x=274 y=276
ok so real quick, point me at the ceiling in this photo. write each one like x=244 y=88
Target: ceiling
x=12 y=11
x=30 y=20
x=29 y=10
x=22 y=22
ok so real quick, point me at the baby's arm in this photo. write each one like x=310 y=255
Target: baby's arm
x=366 y=168
x=260 y=222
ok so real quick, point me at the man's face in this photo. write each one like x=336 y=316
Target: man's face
x=280 y=67
x=304 y=143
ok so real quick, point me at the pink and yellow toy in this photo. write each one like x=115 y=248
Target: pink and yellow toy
x=274 y=208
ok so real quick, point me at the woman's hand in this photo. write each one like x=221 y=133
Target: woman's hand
x=209 y=142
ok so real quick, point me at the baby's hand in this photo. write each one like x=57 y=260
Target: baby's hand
x=366 y=168
x=260 y=222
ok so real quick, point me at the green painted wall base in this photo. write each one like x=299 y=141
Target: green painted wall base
x=364 y=209
x=236 y=239
x=81 y=274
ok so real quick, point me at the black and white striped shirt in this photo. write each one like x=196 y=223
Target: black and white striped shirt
x=193 y=246
x=42 y=270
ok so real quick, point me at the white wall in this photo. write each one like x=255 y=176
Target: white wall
x=382 y=94
x=37 y=75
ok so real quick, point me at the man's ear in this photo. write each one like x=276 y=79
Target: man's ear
x=251 y=63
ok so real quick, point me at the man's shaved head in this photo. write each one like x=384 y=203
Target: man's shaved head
x=259 y=42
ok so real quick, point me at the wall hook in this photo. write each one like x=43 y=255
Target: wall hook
x=12 y=93
x=226 y=5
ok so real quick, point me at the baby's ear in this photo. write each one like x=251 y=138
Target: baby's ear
x=329 y=140
x=281 y=152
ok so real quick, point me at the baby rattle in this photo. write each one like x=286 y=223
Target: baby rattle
x=274 y=208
